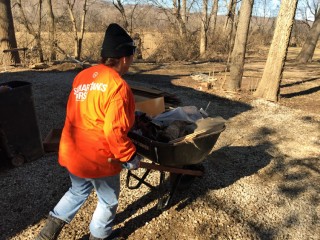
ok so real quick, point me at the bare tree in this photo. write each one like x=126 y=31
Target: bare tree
x=7 y=35
x=177 y=12
x=127 y=24
x=184 y=11
x=36 y=33
x=215 y=7
x=239 y=49
x=307 y=11
x=118 y=4
x=204 y=27
x=269 y=85
x=229 y=26
x=263 y=24
x=205 y=23
x=78 y=38
x=309 y=46
x=40 y=50
x=51 y=20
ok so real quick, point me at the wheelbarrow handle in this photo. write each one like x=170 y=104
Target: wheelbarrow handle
x=153 y=166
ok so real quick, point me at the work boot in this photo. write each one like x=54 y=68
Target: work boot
x=115 y=235
x=52 y=229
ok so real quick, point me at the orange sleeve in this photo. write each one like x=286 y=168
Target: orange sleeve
x=119 y=119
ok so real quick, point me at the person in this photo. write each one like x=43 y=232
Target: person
x=100 y=112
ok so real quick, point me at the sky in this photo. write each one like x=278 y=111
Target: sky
x=271 y=10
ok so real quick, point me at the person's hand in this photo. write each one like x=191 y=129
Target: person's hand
x=133 y=163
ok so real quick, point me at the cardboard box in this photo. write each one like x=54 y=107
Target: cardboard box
x=151 y=106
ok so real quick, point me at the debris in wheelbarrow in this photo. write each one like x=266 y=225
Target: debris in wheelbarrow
x=172 y=125
x=149 y=137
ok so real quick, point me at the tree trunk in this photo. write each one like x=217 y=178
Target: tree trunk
x=203 y=29
x=83 y=24
x=78 y=39
x=7 y=35
x=181 y=24
x=230 y=16
x=229 y=24
x=239 y=49
x=52 y=49
x=269 y=85
x=38 y=38
x=205 y=22
x=122 y=11
x=30 y=28
x=184 y=11
x=309 y=46
x=215 y=7
x=74 y=28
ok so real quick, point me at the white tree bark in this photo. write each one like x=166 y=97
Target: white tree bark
x=203 y=28
x=269 y=86
x=239 y=49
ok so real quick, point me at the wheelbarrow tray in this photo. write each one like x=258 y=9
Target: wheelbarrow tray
x=176 y=154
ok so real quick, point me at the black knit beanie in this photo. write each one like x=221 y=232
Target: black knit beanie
x=117 y=43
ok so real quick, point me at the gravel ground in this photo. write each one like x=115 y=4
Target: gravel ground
x=261 y=181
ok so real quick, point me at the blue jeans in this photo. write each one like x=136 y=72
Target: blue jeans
x=107 y=189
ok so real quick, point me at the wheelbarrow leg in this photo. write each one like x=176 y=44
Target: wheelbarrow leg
x=141 y=180
x=161 y=191
x=165 y=201
x=165 y=197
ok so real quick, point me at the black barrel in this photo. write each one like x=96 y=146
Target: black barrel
x=18 y=121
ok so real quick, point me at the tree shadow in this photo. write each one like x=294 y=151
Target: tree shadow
x=298 y=82
x=295 y=178
x=292 y=185
x=300 y=93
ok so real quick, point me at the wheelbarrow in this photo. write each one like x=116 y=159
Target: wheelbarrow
x=180 y=158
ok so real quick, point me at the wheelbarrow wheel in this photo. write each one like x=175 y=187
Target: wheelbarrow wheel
x=185 y=180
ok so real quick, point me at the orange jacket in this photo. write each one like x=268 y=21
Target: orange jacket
x=100 y=112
